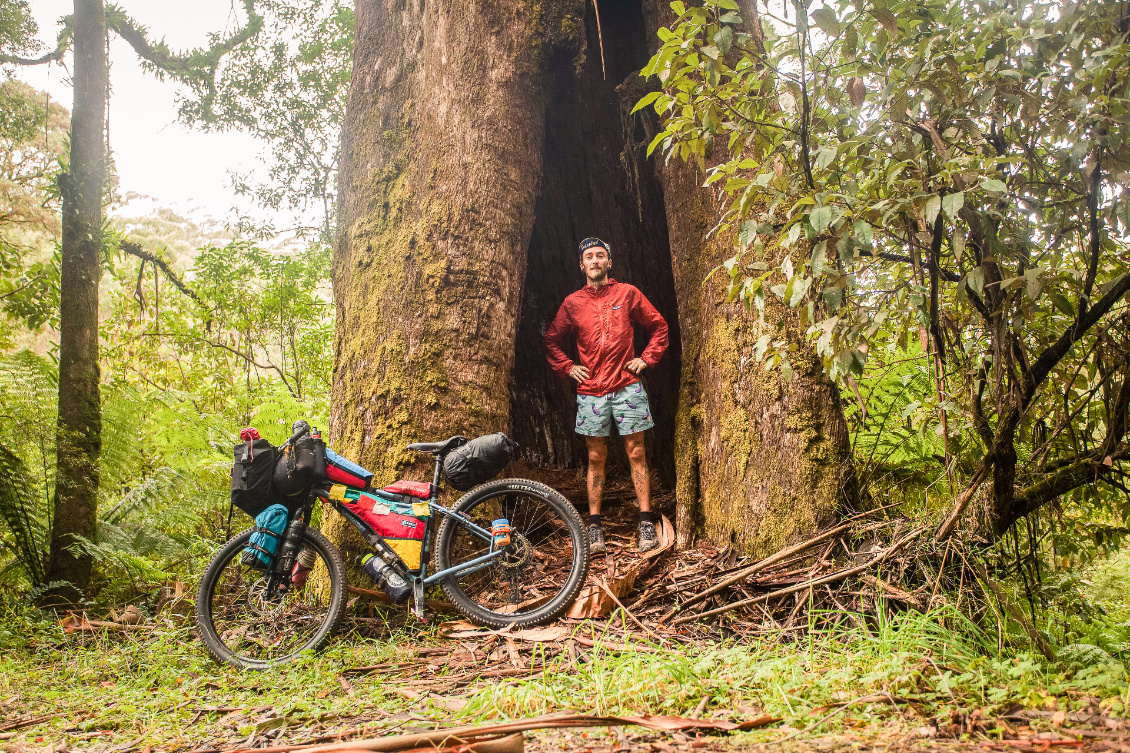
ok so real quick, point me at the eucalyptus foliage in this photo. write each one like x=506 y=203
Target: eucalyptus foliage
x=950 y=173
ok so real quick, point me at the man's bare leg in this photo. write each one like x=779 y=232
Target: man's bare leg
x=637 y=458
x=598 y=454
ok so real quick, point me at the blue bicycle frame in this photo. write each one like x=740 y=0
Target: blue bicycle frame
x=420 y=578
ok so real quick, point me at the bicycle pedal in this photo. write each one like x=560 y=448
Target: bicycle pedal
x=418 y=598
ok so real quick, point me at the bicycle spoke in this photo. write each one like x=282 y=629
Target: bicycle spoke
x=260 y=617
x=535 y=567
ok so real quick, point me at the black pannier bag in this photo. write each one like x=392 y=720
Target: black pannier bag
x=299 y=467
x=478 y=461
x=251 y=476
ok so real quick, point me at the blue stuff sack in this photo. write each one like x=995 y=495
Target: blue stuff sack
x=269 y=527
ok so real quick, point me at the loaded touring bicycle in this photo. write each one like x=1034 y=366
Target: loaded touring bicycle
x=508 y=552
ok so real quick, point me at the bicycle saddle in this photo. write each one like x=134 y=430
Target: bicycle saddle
x=439 y=448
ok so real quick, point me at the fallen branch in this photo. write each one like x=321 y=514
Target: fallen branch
x=946 y=528
x=444 y=737
x=631 y=616
x=891 y=592
x=25 y=723
x=771 y=560
x=807 y=584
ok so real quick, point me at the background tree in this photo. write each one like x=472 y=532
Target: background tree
x=941 y=180
x=81 y=187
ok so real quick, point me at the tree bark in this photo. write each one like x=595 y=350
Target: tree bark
x=80 y=412
x=441 y=161
x=761 y=461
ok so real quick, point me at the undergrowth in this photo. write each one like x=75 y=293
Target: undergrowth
x=158 y=686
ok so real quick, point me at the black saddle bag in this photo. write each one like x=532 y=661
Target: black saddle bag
x=299 y=467
x=479 y=461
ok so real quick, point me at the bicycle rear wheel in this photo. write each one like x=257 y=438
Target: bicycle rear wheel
x=253 y=620
x=541 y=571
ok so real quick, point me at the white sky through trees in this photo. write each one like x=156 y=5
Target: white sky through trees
x=179 y=167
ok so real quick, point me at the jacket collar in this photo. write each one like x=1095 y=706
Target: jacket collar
x=590 y=290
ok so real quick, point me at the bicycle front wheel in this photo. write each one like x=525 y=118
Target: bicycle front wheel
x=254 y=620
x=540 y=572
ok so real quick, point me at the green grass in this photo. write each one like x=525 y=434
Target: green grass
x=152 y=685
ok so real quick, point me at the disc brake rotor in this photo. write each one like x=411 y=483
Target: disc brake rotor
x=518 y=553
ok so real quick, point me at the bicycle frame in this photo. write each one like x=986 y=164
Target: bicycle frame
x=420 y=579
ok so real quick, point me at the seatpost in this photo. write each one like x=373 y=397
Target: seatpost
x=435 y=476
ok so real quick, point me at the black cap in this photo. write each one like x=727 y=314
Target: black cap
x=590 y=242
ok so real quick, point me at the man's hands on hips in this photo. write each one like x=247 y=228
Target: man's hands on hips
x=580 y=373
x=636 y=365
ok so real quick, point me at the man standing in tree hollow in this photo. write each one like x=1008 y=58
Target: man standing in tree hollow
x=608 y=384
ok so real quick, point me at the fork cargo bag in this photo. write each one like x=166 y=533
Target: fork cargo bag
x=251 y=476
x=269 y=527
x=401 y=524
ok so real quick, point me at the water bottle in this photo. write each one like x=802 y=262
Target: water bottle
x=292 y=541
x=388 y=579
x=302 y=567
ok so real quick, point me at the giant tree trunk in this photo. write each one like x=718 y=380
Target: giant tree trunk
x=441 y=158
x=480 y=145
x=80 y=412
x=761 y=461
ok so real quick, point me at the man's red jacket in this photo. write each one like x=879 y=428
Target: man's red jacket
x=602 y=320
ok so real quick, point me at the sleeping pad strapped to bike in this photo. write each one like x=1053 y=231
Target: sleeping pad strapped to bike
x=510 y=552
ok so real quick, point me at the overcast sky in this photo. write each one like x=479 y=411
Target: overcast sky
x=181 y=168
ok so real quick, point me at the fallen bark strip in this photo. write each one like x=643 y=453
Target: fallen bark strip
x=771 y=560
x=26 y=723
x=460 y=735
x=430 y=604
x=807 y=584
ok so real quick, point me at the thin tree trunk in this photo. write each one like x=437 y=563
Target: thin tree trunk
x=80 y=412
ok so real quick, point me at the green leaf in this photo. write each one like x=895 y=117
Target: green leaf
x=827 y=20
x=933 y=206
x=678 y=7
x=647 y=100
x=1060 y=301
x=722 y=38
x=825 y=156
x=818 y=259
x=976 y=280
x=748 y=232
x=992 y=184
x=888 y=20
x=952 y=204
x=819 y=218
x=862 y=230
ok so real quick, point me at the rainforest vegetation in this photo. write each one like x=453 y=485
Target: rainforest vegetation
x=892 y=239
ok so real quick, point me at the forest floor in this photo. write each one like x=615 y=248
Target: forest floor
x=909 y=685
x=889 y=680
